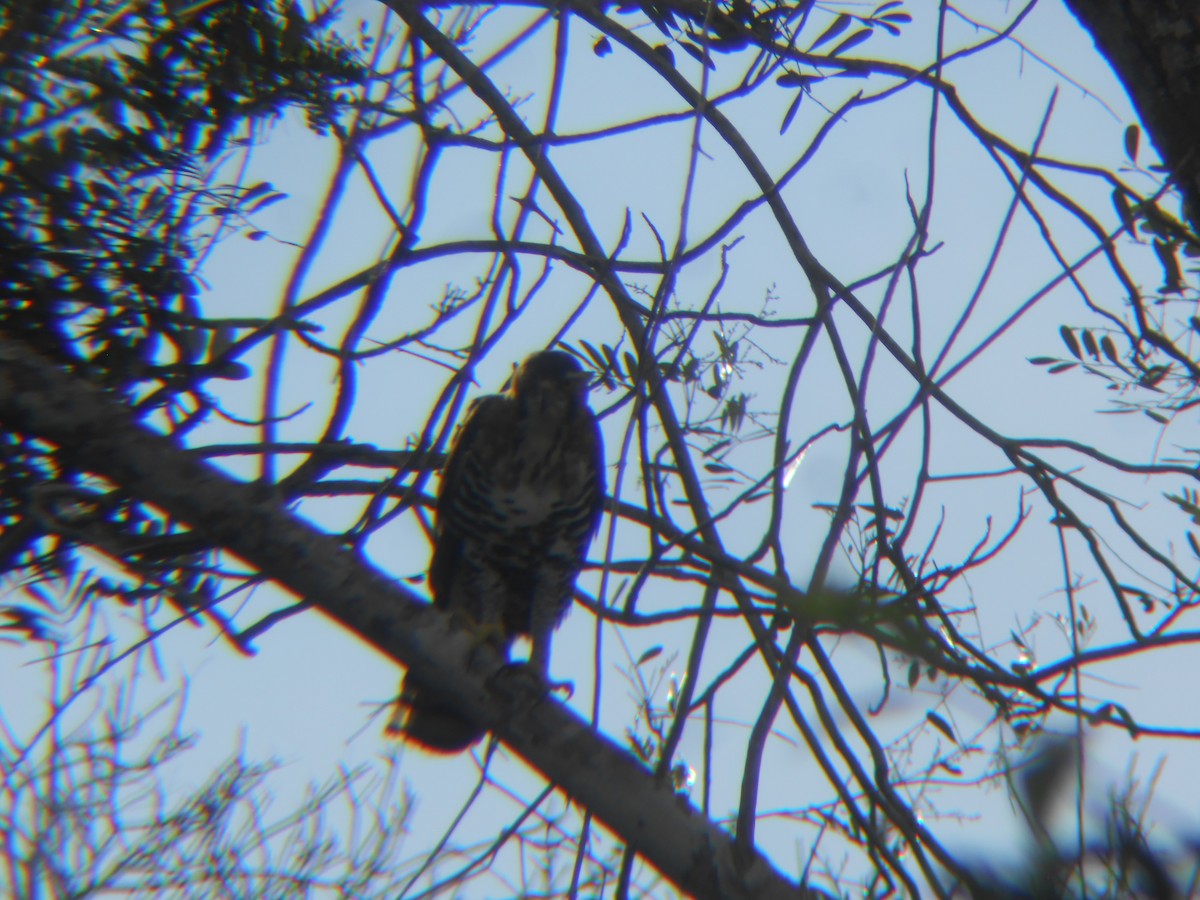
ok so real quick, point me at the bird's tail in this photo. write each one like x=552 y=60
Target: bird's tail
x=422 y=717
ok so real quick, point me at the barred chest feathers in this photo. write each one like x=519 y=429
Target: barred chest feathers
x=536 y=481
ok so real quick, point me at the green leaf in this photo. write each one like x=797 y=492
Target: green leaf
x=258 y=190
x=699 y=54
x=631 y=365
x=853 y=41
x=1132 y=135
x=649 y=655
x=1069 y=339
x=840 y=24
x=269 y=200
x=661 y=17
x=1123 y=714
x=596 y=356
x=1110 y=350
x=791 y=111
x=1153 y=375
x=1124 y=211
x=1089 y=344
x=941 y=725
x=611 y=366
x=1188 y=503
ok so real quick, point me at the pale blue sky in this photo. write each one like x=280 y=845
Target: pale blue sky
x=305 y=698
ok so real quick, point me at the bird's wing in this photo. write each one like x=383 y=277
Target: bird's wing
x=479 y=430
x=597 y=451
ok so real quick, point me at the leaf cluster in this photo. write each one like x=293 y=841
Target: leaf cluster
x=119 y=121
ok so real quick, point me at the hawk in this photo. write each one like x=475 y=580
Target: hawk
x=520 y=498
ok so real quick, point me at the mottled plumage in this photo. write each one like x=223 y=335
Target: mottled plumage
x=520 y=499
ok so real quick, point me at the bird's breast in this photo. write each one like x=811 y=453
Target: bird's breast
x=535 y=481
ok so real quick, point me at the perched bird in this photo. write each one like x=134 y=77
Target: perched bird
x=520 y=498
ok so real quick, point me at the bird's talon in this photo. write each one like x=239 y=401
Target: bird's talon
x=521 y=671
x=529 y=675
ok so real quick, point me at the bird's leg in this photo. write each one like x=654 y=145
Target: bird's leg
x=486 y=624
x=534 y=672
x=539 y=660
x=545 y=611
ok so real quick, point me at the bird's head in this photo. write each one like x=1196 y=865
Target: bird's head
x=550 y=380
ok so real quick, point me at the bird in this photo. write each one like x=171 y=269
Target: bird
x=520 y=499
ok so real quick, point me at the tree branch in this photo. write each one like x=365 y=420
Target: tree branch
x=100 y=436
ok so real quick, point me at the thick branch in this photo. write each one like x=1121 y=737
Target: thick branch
x=38 y=398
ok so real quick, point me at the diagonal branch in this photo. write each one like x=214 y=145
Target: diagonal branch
x=101 y=437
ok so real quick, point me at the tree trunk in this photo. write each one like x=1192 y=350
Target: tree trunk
x=1154 y=47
